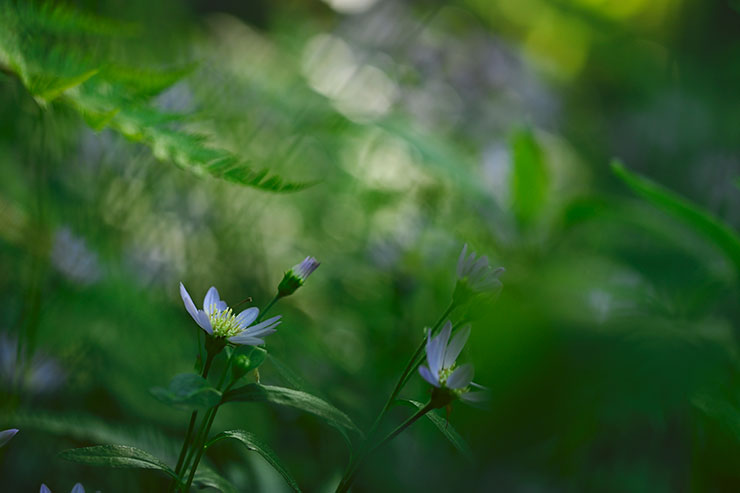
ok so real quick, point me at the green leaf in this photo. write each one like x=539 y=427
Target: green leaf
x=255 y=392
x=255 y=357
x=529 y=178
x=117 y=456
x=206 y=477
x=701 y=221
x=253 y=443
x=188 y=390
x=62 y=55
x=445 y=428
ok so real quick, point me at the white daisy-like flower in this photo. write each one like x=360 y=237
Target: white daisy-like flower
x=450 y=381
x=219 y=321
x=476 y=272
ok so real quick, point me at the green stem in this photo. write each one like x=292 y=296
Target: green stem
x=410 y=366
x=349 y=478
x=267 y=308
x=405 y=375
x=202 y=435
x=191 y=426
x=208 y=420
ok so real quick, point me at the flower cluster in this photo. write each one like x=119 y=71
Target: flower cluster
x=220 y=322
x=449 y=380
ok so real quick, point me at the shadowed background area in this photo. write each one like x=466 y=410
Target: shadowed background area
x=588 y=146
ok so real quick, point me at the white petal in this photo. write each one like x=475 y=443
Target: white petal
x=260 y=327
x=461 y=377
x=455 y=346
x=189 y=305
x=444 y=339
x=426 y=374
x=247 y=316
x=246 y=340
x=461 y=261
x=204 y=321
x=436 y=349
x=211 y=300
x=78 y=488
x=6 y=435
x=476 y=398
x=479 y=265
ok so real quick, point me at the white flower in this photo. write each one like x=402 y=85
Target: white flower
x=478 y=275
x=77 y=488
x=7 y=435
x=442 y=370
x=218 y=320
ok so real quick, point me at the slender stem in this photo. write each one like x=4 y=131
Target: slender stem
x=193 y=418
x=410 y=366
x=201 y=446
x=405 y=375
x=267 y=308
x=349 y=478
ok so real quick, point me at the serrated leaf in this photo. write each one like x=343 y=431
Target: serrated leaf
x=188 y=390
x=116 y=456
x=253 y=443
x=445 y=428
x=255 y=392
x=529 y=178
x=701 y=221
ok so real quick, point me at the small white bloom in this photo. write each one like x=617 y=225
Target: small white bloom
x=218 y=320
x=442 y=370
x=476 y=272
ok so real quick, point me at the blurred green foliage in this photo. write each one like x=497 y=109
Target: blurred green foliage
x=403 y=130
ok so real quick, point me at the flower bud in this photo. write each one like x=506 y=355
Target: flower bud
x=295 y=277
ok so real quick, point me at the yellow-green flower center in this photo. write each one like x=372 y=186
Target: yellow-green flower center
x=444 y=374
x=224 y=323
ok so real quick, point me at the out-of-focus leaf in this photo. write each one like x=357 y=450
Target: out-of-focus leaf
x=207 y=477
x=445 y=428
x=188 y=390
x=254 y=392
x=701 y=221
x=65 y=64
x=529 y=177
x=253 y=443
x=118 y=456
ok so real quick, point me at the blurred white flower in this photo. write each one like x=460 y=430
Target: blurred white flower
x=41 y=375
x=71 y=256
